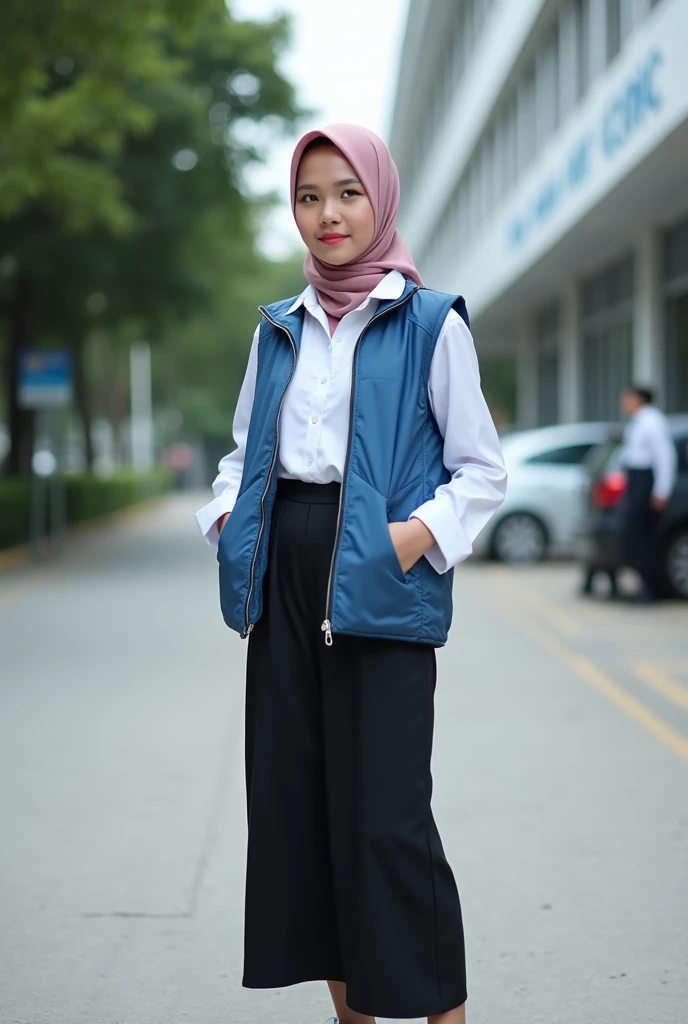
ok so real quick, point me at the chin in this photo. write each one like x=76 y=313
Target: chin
x=337 y=259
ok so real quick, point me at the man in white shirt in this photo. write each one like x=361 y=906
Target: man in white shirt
x=649 y=459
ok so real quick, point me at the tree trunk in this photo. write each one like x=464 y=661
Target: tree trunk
x=22 y=422
x=83 y=402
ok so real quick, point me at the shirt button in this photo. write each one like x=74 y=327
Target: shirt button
x=309 y=462
x=314 y=419
x=323 y=380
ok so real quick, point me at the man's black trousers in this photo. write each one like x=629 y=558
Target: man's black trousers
x=639 y=524
x=346 y=875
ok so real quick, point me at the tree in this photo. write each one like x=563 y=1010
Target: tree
x=159 y=204
x=70 y=71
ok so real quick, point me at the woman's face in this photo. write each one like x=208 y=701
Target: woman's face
x=333 y=212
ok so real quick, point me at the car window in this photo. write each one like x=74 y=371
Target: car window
x=568 y=455
x=603 y=457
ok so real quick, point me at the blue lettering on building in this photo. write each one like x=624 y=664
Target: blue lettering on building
x=627 y=111
x=623 y=115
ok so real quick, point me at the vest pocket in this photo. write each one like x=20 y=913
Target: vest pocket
x=391 y=553
x=378 y=547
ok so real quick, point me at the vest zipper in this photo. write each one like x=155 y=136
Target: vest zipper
x=326 y=627
x=250 y=625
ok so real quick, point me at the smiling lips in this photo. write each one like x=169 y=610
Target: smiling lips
x=331 y=239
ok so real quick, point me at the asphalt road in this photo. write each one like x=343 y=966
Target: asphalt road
x=561 y=792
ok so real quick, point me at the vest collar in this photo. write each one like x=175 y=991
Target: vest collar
x=289 y=313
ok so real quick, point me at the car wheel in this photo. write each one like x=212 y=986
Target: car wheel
x=519 y=538
x=675 y=563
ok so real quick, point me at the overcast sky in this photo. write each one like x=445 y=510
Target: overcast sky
x=343 y=62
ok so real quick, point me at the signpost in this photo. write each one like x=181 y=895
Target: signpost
x=45 y=379
x=45 y=385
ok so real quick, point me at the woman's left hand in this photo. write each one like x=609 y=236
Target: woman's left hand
x=411 y=540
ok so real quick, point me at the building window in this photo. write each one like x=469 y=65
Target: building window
x=501 y=146
x=613 y=29
x=582 y=31
x=607 y=339
x=547 y=88
x=676 y=315
x=511 y=143
x=487 y=172
x=525 y=133
x=620 y=19
x=547 y=365
x=570 y=455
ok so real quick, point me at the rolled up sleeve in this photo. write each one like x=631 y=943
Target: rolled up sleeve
x=460 y=508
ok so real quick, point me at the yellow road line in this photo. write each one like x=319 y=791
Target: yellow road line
x=562 y=621
x=662 y=682
x=603 y=683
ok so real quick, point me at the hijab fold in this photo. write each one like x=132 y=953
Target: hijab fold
x=343 y=288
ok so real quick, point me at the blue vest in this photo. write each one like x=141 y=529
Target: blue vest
x=394 y=464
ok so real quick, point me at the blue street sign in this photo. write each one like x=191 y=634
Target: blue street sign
x=45 y=379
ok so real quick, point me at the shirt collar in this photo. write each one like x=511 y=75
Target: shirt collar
x=390 y=287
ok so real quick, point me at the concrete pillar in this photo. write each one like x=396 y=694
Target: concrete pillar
x=648 y=310
x=570 y=362
x=526 y=398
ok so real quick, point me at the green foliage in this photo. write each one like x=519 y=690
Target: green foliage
x=87 y=497
x=68 y=97
x=125 y=135
x=14 y=511
x=499 y=380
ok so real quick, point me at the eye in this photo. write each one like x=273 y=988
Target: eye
x=308 y=198
x=350 y=192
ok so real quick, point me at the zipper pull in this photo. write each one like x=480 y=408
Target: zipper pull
x=327 y=630
x=249 y=628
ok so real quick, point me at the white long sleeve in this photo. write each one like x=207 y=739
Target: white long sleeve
x=472 y=453
x=648 y=445
x=664 y=459
x=227 y=482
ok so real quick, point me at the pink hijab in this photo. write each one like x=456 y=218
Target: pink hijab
x=341 y=289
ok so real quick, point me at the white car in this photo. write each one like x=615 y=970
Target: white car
x=545 y=503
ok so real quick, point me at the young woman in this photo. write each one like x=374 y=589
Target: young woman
x=366 y=464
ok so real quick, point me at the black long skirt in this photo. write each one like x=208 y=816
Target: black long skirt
x=346 y=876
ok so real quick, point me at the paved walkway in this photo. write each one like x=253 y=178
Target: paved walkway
x=561 y=791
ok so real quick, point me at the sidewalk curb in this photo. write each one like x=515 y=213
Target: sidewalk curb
x=20 y=555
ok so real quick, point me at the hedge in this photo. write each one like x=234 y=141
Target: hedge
x=87 y=497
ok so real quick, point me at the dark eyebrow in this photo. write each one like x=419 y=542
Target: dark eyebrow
x=344 y=181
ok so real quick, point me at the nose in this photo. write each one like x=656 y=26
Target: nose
x=329 y=213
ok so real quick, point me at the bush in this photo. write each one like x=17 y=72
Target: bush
x=87 y=497
x=15 y=503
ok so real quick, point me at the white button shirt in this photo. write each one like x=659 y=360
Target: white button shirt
x=648 y=445
x=314 y=424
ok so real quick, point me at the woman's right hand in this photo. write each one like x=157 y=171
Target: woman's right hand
x=221 y=523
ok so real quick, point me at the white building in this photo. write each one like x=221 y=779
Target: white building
x=543 y=151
